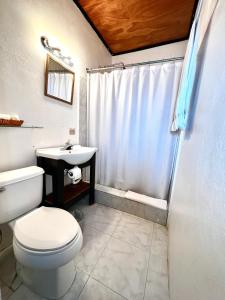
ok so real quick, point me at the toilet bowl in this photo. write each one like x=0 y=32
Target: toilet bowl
x=45 y=239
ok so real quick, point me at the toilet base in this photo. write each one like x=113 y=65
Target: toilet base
x=52 y=284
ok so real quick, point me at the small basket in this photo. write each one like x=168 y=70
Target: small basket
x=15 y=123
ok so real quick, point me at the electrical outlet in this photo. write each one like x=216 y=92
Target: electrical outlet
x=72 y=131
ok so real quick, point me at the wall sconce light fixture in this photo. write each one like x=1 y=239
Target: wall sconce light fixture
x=56 y=51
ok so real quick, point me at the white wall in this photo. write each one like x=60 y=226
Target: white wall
x=166 y=51
x=197 y=209
x=22 y=61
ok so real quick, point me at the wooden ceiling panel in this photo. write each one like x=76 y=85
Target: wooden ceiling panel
x=129 y=25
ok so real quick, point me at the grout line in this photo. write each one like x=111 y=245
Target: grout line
x=15 y=277
x=83 y=286
x=108 y=287
x=120 y=212
x=139 y=204
x=130 y=244
x=70 y=286
x=135 y=216
x=117 y=224
x=130 y=214
x=133 y=245
x=100 y=255
x=100 y=231
x=112 y=234
x=146 y=280
x=1 y=294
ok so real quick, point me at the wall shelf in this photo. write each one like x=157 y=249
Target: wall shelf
x=23 y=126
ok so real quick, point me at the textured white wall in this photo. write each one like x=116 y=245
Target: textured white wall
x=197 y=209
x=22 y=61
x=166 y=51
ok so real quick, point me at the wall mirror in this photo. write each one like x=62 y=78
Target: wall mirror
x=59 y=81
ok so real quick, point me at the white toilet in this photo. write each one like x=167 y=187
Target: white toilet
x=46 y=239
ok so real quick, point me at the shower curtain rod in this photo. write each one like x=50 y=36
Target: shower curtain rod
x=123 y=66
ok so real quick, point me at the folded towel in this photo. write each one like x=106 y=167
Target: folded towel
x=5 y=117
x=9 y=117
x=15 y=117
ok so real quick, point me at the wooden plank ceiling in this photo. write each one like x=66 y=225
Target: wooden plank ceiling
x=129 y=25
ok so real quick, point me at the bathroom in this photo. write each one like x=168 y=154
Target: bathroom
x=148 y=237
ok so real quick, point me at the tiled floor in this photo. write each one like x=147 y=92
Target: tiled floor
x=123 y=257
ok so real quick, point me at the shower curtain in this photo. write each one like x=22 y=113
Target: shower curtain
x=129 y=118
x=60 y=85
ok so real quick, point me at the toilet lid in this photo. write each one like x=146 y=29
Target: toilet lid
x=46 y=228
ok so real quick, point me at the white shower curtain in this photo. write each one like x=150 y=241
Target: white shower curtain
x=60 y=85
x=129 y=119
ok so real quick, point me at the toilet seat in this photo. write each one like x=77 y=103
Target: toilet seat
x=47 y=260
x=46 y=238
x=45 y=229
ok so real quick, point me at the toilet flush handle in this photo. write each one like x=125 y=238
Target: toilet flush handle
x=2 y=189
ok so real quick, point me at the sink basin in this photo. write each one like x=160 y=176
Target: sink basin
x=78 y=154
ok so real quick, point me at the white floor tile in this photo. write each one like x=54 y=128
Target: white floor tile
x=159 y=248
x=135 y=231
x=103 y=219
x=160 y=233
x=157 y=287
x=123 y=268
x=136 y=223
x=96 y=291
x=158 y=264
x=93 y=246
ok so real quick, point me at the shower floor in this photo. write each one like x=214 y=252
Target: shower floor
x=123 y=257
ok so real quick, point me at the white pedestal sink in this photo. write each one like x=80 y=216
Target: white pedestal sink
x=77 y=155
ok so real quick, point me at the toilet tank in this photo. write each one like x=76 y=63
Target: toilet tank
x=20 y=192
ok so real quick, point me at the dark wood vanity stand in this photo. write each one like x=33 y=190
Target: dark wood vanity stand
x=65 y=196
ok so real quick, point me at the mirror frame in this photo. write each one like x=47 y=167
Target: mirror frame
x=46 y=81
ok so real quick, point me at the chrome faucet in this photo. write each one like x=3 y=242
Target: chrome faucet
x=68 y=146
